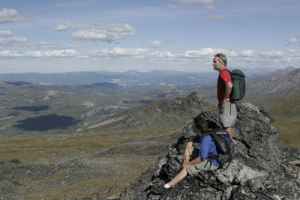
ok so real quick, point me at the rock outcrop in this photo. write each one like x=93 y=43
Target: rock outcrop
x=262 y=168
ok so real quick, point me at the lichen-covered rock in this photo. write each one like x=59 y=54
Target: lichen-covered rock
x=261 y=168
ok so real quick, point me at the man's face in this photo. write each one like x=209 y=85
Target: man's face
x=217 y=64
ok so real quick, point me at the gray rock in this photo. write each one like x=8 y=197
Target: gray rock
x=239 y=172
x=260 y=169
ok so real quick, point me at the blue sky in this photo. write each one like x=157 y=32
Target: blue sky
x=94 y=35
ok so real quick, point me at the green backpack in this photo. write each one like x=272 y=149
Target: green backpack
x=239 y=85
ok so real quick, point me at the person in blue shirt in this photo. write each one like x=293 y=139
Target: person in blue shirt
x=206 y=157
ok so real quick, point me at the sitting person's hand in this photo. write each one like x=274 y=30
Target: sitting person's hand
x=186 y=164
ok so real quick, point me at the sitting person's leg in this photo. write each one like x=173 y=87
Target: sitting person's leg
x=188 y=152
x=183 y=173
x=191 y=170
x=179 y=177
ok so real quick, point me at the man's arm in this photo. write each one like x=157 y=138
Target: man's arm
x=225 y=75
x=228 y=90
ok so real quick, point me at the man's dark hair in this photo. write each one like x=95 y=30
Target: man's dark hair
x=204 y=125
x=222 y=57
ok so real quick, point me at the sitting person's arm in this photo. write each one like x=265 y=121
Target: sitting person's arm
x=193 y=162
x=203 y=152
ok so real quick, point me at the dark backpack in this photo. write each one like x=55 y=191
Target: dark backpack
x=239 y=85
x=224 y=147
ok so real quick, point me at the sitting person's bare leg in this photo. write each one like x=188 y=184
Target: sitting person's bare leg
x=179 y=177
x=183 y=173
x=188 y=152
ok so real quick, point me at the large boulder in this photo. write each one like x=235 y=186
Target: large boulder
x=262 y=168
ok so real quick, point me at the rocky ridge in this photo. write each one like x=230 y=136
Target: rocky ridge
x=262 y=167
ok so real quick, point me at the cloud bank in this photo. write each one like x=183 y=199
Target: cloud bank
x=9 y=15
x=206 y=3
x=62 y=27
x=107 y=34
x=7 y=37
x=39 y=53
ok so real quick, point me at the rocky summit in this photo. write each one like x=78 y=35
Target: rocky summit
x=262 y=168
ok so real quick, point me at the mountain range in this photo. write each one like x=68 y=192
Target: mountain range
x=278 y=83
x=129 y=78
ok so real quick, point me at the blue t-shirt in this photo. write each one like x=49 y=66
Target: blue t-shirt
x=207 y=148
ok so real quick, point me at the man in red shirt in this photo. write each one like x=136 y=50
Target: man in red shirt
x=227 y=109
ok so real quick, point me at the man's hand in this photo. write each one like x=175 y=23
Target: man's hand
x=226 y=100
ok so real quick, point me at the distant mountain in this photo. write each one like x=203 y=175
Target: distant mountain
x=278 y=83
x=279 y=94
x=129 y=78
x=105 y=85
x=17 y=83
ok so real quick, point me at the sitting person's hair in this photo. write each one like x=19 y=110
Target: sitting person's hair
x=204 y=125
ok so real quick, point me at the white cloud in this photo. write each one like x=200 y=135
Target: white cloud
x=39 y=54
x=247 y=53
x=62 y=27
x=118 y=52
x=9 y=15
x=163 y=54
x=204 y=52
x=7 y=37
x=156 y=43
x=73 y=3
x=207 y=3
x=105 y=34
x=199 y=53
x=55 y=53
x=294 y=40
x=132 y=58
x=272 y=54
x=5 y=33
x=13 y=40
x=10 y=53
x=243 y=57
x=123 y=52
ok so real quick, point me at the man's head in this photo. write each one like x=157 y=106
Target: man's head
x=219 y=61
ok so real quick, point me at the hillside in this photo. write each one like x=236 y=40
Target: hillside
x=27 y=108
x=278 y=93
x=161 y=114
x=278 y=83
x=96 y=163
